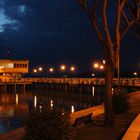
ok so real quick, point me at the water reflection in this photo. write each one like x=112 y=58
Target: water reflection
x=16 y=98
x=35 y=101
x=15 y=107
x=112 y=90
x=93 y=91
x=72 y=109
x=51 y=103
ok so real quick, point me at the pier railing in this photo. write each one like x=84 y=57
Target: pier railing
x=94 y=81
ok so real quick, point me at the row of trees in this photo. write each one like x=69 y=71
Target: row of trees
x=127 y=16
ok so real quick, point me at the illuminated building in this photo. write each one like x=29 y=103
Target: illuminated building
x=13 y=69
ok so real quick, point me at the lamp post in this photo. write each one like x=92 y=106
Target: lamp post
x=96 y=65
x=135 y=74
x=63 y=68
x=40 y=68
x=35 y=70
x=51 y=70
x=99 y=66
x=72 y=69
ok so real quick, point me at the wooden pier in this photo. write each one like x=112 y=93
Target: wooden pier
x=83 y=81
x=15 y=87
x=63 y=84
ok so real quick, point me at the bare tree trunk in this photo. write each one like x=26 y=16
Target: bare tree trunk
x=108 y=95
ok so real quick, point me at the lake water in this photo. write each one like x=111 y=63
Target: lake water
x=14 y=107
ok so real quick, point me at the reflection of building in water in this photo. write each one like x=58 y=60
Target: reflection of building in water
x=6 y=111
x=12 y=106
x=13 y=69
x=7 y=99
x=21 y=110
x=10 y=111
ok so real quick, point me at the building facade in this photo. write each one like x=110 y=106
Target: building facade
x=13 y=69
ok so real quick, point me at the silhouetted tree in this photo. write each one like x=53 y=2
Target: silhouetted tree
x=127 y=14
x=136 y=29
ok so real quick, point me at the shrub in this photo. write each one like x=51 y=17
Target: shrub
x=120 y=103
x=48 y=125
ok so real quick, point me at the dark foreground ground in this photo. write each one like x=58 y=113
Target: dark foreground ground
x=96 y=130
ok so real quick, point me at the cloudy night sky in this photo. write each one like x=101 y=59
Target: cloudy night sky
x=51 y=32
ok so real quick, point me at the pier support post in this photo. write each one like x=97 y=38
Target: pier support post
x=5 y=87
x=15 y=88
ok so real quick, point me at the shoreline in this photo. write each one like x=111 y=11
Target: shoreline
x=96 y=131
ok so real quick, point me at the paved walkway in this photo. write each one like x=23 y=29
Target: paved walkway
x=13 y=135
x=96 y=131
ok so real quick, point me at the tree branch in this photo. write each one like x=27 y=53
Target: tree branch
x=105 y=24
x=135 y=16
x=125 y=17
x=127 y=28
x=84 y=6
x=122 y=4
x=117 y=34
x=96 y=26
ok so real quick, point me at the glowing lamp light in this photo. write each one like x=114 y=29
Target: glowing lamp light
x=96 y=65
x=72 y=68
x=63 y=67
x=51 y=69
x=101 y=67
x=34 y=70
x=40 y=69
x=135 y=73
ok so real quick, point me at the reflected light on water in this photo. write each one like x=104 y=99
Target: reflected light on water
x=72 y=109
x=93 y=91
x=16 y=99
x=51 y=103
x=40 y=108
x=35 y=101
x=112 y=90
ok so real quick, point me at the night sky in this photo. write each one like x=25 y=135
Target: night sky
x=52 y=32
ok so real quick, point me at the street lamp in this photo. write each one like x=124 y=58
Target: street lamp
x=135 y=73
x=63 y=67
x=35 y=70
x=40 y=68
x=101 y=67
x=51 y=70
x=72 y=68
x=96 y=65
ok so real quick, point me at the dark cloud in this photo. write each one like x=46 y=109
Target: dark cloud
x=51 y=31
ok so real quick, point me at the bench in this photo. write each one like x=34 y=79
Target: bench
x=83 y=119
